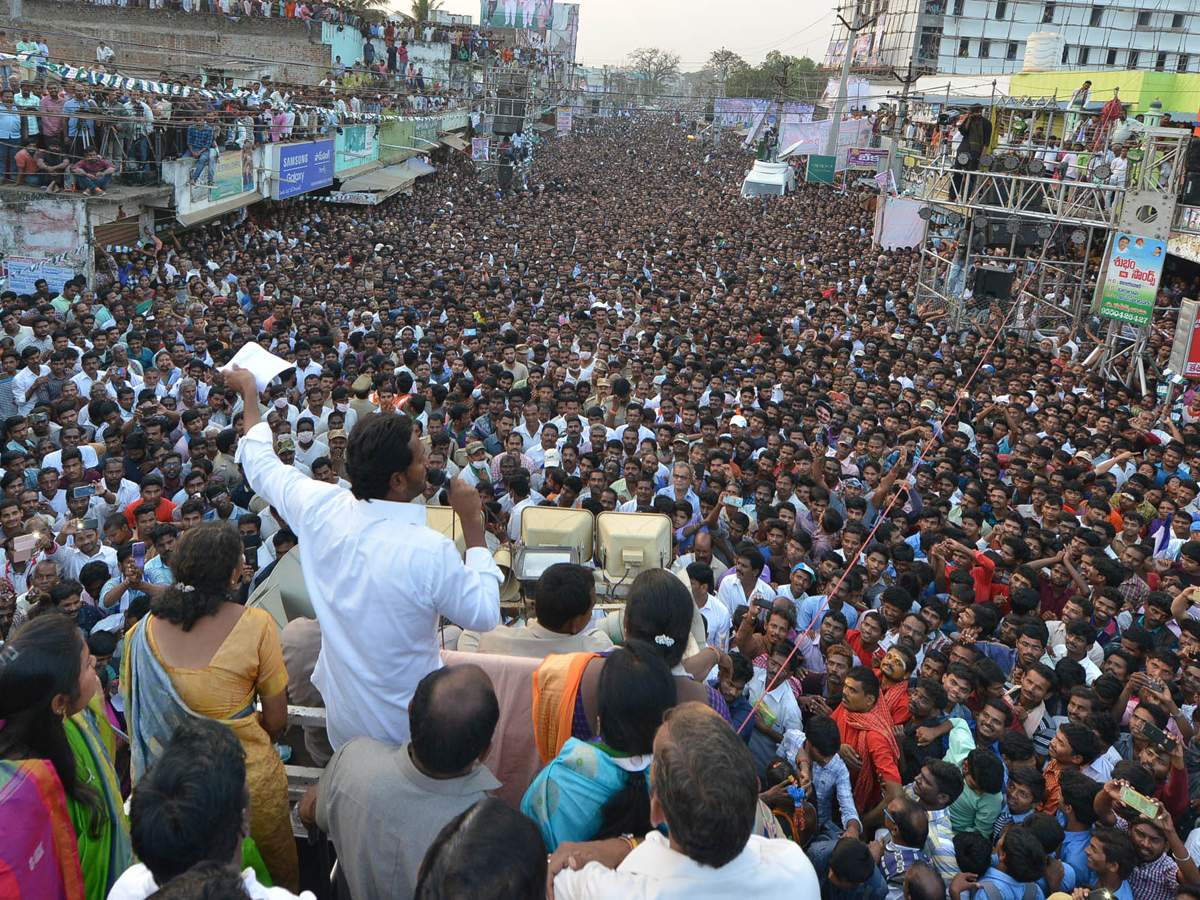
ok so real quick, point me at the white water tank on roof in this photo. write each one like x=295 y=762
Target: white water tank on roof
x=1043 y=51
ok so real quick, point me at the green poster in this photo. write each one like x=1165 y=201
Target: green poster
x=1130 y=279
x=820 y=169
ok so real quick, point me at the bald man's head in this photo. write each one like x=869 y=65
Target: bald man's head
x=452 y=718
x=921 y=882
x=703 y=547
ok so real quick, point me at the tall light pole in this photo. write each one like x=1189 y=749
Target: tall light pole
x=839 y=106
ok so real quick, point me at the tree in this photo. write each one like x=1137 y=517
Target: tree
x=653 y=66
x=423 y=10
x=765 y=80
x=720 y=66
x=723 y=63
x=369 y=9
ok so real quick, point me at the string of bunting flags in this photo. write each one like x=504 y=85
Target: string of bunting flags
x=122 y=82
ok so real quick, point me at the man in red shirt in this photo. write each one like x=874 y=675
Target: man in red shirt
x=152 y=495
x=26 y=159
x=93 y=172
x=868 y=747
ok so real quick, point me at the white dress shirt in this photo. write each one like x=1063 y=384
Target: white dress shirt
x=71 y=561
x=531 y=438
x=654 y=871
x=717 y=621
x=514 y=518
x=379 y=580
x=1090 y=670
x=732 y=595
x=780 y=701
x=136 y=883
x=54 y=460
x=127 y=493
x=23 y=391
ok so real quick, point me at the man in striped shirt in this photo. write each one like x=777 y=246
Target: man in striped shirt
x=937 y=785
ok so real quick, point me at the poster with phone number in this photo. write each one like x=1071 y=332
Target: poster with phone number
x=1132 y=273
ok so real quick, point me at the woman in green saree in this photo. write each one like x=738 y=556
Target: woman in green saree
x=47 y=680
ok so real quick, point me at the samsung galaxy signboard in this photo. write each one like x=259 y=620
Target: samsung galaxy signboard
x=302 y=168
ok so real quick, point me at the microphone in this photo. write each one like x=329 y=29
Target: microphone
x=438 y=477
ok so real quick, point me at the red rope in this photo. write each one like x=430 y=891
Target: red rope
x=916 y=464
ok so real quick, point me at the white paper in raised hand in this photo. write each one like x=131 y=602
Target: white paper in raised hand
x=262 y=364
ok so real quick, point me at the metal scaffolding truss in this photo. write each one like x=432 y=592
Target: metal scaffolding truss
x=1013 y=199
x=505 y=85
x=507 y=91
x=1006 y=194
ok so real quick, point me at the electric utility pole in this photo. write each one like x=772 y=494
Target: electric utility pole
x=839 y=106
x=894 y=160
x=718 y=107
x=907 y=81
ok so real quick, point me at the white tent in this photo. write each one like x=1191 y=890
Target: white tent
x=774 y=179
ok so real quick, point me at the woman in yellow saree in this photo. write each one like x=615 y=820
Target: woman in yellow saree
x=200 y=654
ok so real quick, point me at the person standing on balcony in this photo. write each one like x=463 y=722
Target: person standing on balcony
x=10 y=137
x=976 y=132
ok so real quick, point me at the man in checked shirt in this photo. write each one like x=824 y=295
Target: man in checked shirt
x=1163 y=862
x=200 y=145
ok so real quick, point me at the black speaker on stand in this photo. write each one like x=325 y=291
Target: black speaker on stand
x=993 y=281
x=504 y=174
x=510 y=116
x=1191 y=189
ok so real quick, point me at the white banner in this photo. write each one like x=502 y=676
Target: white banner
x=812 y=137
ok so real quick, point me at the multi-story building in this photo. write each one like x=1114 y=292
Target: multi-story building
x=988 y=37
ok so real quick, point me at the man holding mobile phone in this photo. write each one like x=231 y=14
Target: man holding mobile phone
x=1150 y=825
x=379 y=578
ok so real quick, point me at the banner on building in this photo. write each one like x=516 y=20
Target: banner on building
x=479 y=149
x=355 y=146
x=302 y=168
x=534 y=14
x=234 y=174
x=358 y=198
x=25 y=271
x=565 y=114
x=1131 y=274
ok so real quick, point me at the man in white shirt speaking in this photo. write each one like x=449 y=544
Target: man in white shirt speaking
x=378 y=577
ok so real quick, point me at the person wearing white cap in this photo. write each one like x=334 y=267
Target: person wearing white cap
x=547 y=443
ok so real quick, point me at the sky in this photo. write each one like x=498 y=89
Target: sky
x=609 y=29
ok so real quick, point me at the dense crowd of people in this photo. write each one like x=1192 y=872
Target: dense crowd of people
x=928 y=629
